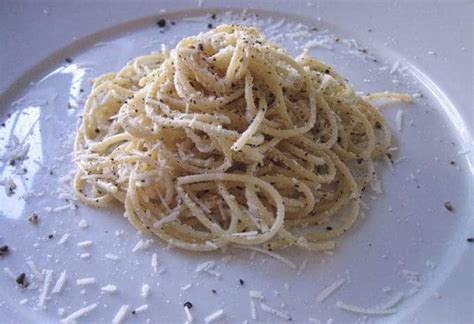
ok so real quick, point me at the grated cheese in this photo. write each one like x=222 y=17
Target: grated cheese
x=79 y=313
x=375 y=183
x=44 y=291
x=302 y=267
x=211 y=244
x=205 y=266
x=107 y=186
x=189 y=316
x=399 y=120
x=395 y=67
x=142 y=245
x=272 y=254
x=63 y=239
x=59 y=283
x=186 y=287
x=253 y=310
x=112 y=257
x=86 y=281
x=23 y=301
x=120 y=315
x=154 y=262
x=388 y=162
x=84 y=244
x=213 y=273
x=18 y=153
x=167 y=219
x=403 y=158
x=141 y=308
x=271 y=310
x=17 y=102
x=85 y=255
x=367 y=311
x=330 y=289
x=35 y=270
x=245 y=234
x=256 y=294
x=83 y=223
x=9 y=184
x=145 y=291
x=109 y=289
x=61 y=208
x=214 y=316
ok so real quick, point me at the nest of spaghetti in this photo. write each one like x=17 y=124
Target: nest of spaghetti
x=229 y=140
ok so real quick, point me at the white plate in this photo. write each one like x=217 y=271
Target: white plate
x=406 y=229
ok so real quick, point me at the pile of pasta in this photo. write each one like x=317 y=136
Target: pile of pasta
x=229 y=140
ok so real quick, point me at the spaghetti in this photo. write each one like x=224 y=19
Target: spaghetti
x=227 y=139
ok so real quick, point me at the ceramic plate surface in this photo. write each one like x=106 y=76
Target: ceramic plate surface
x=408 y=244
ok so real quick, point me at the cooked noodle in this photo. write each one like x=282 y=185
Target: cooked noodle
x=227 y=139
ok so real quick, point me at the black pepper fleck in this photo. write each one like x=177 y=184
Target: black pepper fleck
x=133 y=312
x=241 y=282
x=4 y=250
x=161 y=23
x=33 y=219
x=209 y=26
x=188 y=305
x=50 y=236
x=448 y=206
x=69 y=60
x=214 y=291
x=470 y=239
x=21 y=280
x=213 y=16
